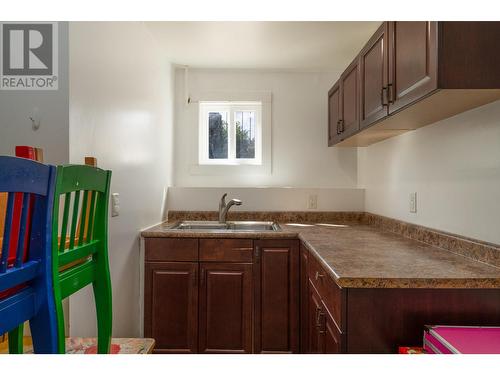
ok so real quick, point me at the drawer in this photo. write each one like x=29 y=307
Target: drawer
x=331 y=294
x=334 y=340
x=171 y=249
x=226 y=250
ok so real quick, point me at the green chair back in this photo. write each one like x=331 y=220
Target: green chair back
x=80 y=244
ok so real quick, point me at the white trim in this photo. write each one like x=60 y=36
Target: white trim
x=232 y=96
x=229 y=108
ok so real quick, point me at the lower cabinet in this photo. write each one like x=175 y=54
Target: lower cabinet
x=276 y=275
x=225 y=308
x=222 y=295
x=313 y=324
x=324 y=307
x=171 y=308
x=331 y=336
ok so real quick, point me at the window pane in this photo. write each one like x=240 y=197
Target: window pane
x=217 y=135
x=245 y=134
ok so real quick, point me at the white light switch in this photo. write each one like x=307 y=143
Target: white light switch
x=413 y=202
x=115 y=204
x=312 y=203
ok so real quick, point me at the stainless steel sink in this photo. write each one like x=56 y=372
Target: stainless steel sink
x=236 y=226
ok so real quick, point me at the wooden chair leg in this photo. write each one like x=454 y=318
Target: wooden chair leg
x=103 y=302
x=16 y=340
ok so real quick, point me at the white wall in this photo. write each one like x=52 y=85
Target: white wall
x=453 y=165
x=266 y=199
x=300 y=154
x=17 y=106
x=121 y=108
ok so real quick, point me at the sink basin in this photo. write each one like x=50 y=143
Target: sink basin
x=245 y=226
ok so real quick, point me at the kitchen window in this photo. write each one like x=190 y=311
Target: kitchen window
x=230 y=133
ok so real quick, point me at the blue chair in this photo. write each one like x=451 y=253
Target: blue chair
x=26 y=292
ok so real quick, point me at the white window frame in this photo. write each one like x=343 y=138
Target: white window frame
x=230 y=107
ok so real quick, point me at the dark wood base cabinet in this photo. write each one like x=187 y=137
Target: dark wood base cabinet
x=275 y=296
x=352 y=320
x=222 y=295
x=225 y=324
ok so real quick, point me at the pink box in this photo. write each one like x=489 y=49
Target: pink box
x=461 y=340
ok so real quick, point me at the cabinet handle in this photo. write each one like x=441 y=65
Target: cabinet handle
x=319 y=275
x=390 y=93
x=320 y=323
x=338 y=129
x=383 y=96
x=257 y=253
x=342 y=126
x=318 y=312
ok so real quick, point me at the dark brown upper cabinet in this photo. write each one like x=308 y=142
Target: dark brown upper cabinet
x=374 y=70
x=413 y=74
x=334 y=114
x=412 y=62
x=343 y=105
x=349 y=83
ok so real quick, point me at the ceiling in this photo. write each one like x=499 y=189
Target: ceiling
x=302 y=46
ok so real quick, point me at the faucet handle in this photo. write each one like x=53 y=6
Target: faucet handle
x=223 y=200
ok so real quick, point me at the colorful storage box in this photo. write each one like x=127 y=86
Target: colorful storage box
x=461 y=340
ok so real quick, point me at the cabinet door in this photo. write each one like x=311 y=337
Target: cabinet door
x=225 y=308
x=374 y=71
x=349 y=100
x=277 y=296
x=412 y=62
x=171 y=306
x=334 y=114
x=304 y=300
x=315 y=344
x=332 y=337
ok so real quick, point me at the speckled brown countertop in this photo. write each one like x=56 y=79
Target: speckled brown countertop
x=363 y=256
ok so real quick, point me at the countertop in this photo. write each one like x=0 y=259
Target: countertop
x=362 y=256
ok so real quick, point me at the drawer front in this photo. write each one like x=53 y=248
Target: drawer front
x=333 y=338
x=331 y=293
x=226 y=250
x=171 y=249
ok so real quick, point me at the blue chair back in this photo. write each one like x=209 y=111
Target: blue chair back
x=26 y=292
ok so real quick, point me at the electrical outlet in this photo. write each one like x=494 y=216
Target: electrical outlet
x=312 y=203
x=115 y=204
x=413 y=202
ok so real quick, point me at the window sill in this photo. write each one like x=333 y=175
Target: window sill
x=230 y=169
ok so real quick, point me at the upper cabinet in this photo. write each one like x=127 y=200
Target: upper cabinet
x=411 y=74
x=412 y=62
x=343 y=105
x=334 y=115
x=373 y=61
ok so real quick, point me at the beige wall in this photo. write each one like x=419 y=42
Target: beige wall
x=453 y=165
x=121 y=105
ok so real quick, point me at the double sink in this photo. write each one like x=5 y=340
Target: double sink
x=227 y=226
x=245 y=226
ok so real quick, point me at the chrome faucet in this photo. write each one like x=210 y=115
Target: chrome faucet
x=223 y=207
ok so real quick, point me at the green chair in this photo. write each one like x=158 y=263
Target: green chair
x=80 y=258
